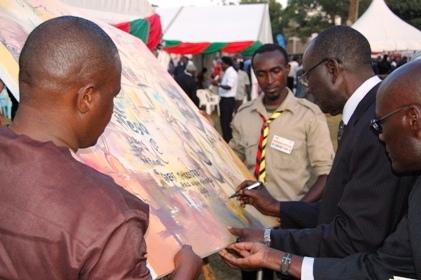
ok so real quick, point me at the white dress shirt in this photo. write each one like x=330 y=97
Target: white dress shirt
x=358 y=95
x=230 y=78
x=349 y=109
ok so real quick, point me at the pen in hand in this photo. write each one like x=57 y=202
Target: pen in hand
x=251 y=187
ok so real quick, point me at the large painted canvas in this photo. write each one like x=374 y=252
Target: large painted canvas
x=157 y=145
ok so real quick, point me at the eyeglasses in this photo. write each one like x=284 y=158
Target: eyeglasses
x=306 y=74
x=376 y=124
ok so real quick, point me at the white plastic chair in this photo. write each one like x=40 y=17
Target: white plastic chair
x=212 y=102
x=201 y=94
x=208 y=99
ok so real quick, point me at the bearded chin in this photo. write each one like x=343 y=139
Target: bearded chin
x=272 y=97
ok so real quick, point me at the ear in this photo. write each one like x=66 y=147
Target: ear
x=85 y=98
x=333 y=68
x=287 y=69
x=413 y=118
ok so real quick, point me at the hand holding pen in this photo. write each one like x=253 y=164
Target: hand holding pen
x=256 y=194
x=248 y=188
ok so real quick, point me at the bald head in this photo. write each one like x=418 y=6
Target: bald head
x=403 y=86
x=399 y=110
x=343 y=43
x=70 y=73
x=61 y=53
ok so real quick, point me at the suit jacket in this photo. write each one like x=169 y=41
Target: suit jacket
x=363 y=200
x=188 y=84
x=399 y=255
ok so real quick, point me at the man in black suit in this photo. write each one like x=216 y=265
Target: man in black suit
x=187 y=81
x=398 y=124
x=363 y=199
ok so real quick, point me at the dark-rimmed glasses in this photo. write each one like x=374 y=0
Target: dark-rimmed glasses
x=376 y=124
x=305 y=75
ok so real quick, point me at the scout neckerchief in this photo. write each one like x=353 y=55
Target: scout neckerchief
x=260 y=169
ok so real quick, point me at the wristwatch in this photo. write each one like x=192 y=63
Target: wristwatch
x=266 y=236
x=285 y=263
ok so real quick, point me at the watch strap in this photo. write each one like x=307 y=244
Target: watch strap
x=266 y=236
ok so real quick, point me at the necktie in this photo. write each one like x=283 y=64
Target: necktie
x=340 y=130
x=260 y=169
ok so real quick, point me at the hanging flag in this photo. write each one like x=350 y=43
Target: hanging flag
x=148 y=29
x=246 y=48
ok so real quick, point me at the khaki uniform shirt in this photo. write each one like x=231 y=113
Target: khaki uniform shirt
x=290 y=172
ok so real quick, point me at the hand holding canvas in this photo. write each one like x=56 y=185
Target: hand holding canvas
x=247 y=234
x=187 y=264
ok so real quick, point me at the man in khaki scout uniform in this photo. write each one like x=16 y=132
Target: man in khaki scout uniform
x=295 y=157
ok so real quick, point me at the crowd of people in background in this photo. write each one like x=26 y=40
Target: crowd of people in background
x=384 y=65
x=191 y=79
x=8 y=105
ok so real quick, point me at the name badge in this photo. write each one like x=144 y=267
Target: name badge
x=282 y=144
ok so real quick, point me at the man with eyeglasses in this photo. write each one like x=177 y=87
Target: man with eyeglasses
x=363 y=199
x=398 y=125
x=284 y=140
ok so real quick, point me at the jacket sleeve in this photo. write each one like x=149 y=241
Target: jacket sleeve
x=365 y=211
x=298 y=214
x=393 y=258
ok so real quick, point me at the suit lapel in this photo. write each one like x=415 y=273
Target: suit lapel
x=362 y=107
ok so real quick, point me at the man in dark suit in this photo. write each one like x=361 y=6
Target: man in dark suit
x=398 y=124
x=363 y=199
x=187 y=81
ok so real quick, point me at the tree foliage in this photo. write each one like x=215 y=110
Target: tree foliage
x=302 y=18
x=409 y=10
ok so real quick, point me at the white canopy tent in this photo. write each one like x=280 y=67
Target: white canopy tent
x=216 y=24
x=385 y=31
x=207 y=30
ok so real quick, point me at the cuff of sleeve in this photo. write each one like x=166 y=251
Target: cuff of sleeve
x=307 y=269
x=322 y=170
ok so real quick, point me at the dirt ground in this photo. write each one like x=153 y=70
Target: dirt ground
x=216 y=270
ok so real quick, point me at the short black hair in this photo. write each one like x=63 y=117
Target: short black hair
x=61 y=46
x=227 y=60
x=343 y=43
x=270 y=48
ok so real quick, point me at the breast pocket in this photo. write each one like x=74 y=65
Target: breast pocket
x=286 y=154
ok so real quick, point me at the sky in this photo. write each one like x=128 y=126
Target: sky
x=177 y=3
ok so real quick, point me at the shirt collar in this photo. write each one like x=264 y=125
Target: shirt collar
x=358 y=95
x=287 y=105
